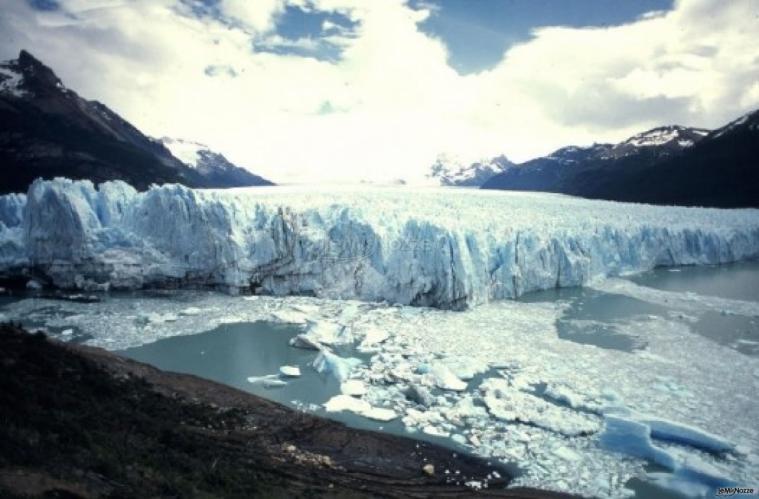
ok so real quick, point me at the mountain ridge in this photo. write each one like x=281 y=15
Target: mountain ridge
x=652 y=167
x=48 y=131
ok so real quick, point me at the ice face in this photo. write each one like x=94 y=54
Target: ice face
x=428 y=247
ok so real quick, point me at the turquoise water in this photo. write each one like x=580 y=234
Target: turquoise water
x=592 y=316
x=232 y=353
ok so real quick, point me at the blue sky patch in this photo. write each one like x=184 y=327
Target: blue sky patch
x=44 y=4
x=478 y=32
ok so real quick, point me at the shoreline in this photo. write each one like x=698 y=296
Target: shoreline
x=85 y=422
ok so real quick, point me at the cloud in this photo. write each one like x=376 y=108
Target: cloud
x=257 y=15
x=393 y=102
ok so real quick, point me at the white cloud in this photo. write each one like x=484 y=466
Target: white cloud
x=391 y=104
x=257 y=15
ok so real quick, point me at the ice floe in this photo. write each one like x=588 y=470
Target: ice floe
x=571 y=416
x=289 y=371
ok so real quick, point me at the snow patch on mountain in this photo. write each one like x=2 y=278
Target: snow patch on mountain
x=429 y=247
x=213 y=166
x=188 y=152
x=11 y=81
x=664 y=135
x=451 y=171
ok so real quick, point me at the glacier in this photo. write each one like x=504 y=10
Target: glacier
x=437 y=247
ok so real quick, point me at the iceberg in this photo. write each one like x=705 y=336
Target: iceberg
x=690 y=475
x=329 y=363
x=427 y=247
x=340 y=403
x=289 y=371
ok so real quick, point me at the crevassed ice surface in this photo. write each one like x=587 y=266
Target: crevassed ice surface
x=500 y=381
x=432 y=247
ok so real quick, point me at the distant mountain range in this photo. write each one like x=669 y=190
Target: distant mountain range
x=667 y=165
x=47 y=130
x=451 y=172
x=213 y=166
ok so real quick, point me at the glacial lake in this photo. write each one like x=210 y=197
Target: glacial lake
x=661 y=319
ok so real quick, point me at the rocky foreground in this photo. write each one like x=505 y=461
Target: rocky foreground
x=79 y=422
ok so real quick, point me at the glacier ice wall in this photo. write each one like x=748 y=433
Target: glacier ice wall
x=436 y=247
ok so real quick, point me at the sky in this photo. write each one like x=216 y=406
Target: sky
x=375 y=90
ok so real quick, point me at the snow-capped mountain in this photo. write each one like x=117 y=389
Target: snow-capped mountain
x=652 y=166
x=452 y=172
x=666 y=140
x=544 y=173
x=213 y=166
x=47 y=130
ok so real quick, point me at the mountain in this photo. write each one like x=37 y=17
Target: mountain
x=47 y=130
x=451 y=172
x=212 y=166
x=666 y=165
x=582 y=171
x=721 y=170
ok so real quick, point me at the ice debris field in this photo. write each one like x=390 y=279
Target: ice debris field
x=495 y=378
x=430 y=247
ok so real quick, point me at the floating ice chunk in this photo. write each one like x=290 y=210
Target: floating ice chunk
x=462 y=410
x=435 y=431
x=690 y=475
x=343 y=402
x=420 y=395
x=353 y=387
x=459 y=438
x=374 y=336
x=566 y=395
x=304 y=341
x=380 y=414
x=466 y=368
x=290 y=316
x=190 y=311
x=634 y=439
x=329 y=363
x=679 y=433
x=566 y=454
x=67 y=332
x=422 y=369
x=267 y=381
x=508 y=403
x=33 y=284
x=445 y=379
x=290 y=371
x=327 y=333
x=674 y=432
x=160 y=318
